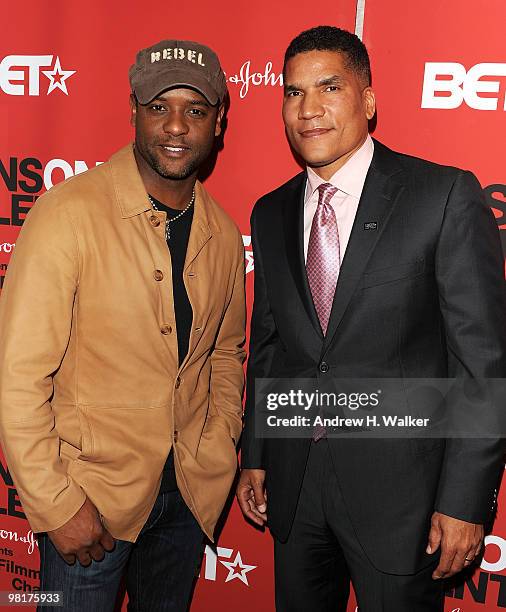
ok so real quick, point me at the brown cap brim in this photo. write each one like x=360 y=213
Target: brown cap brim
x=170 y=79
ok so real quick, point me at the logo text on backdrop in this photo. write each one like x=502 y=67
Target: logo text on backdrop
x=20 y=75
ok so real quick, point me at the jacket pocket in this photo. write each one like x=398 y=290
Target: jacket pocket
x=112 y=434
x=216 y=442
x=69 y=452
x=217 y=421
x=86 y=436
x=394 y=273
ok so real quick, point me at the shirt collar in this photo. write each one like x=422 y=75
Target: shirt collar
x=349 y=178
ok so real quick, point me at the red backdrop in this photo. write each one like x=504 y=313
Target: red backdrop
x=64 y=107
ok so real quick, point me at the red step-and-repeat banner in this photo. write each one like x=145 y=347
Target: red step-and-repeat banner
x=439 y=71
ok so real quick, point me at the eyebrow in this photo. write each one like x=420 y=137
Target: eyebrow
x=289 y=88
x=196 y=102
x=332 y=80
x=192 y=101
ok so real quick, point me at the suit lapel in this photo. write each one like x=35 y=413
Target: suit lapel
x=379 y=197
x=293 y=224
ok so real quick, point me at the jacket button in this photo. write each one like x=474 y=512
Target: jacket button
x=324 y=367
x=176 y=435
x=158 y=275
x=154 y=220
x=177 y=383
x=166 y=330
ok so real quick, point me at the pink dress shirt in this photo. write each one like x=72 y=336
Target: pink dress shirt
x=350 y=181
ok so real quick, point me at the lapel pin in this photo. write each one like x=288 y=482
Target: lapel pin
x=371 y=225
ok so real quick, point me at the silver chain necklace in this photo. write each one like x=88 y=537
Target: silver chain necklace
x=169 y=221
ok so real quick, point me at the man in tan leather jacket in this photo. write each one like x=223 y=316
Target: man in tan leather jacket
x=121 y=349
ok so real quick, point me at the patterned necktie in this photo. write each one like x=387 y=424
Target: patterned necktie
x=323 y=257
x=322 y=265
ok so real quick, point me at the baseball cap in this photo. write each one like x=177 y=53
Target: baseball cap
x=177 y=63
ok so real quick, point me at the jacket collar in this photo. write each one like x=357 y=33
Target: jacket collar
x=132 y=198
x=130 y=193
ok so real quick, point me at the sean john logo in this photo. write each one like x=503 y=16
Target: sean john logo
x=25 y=179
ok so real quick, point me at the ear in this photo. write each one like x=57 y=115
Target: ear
x=369 y=100
x=219 y=118
x=133 y=109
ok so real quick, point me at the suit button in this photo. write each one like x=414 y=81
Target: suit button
x=166 y=330
x=158 y=275
x=176 y=435
x=154 y=220
x=177 y=383
x=324 y=367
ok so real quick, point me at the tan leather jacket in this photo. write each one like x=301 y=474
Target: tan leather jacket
x=91 y=395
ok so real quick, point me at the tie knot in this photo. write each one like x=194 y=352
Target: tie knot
x=325 y=193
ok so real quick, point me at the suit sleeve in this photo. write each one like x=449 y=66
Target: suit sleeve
x=35 y=322
x=227 y=358
x=470 y=276
x=263 y=340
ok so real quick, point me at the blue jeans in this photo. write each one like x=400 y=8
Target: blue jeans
x=159 y=569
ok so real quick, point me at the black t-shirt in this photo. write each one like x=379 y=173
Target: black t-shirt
x=178 y=244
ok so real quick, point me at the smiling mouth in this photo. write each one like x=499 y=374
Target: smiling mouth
x=174 y=149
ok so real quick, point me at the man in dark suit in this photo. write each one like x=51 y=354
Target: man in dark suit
x=372 y=264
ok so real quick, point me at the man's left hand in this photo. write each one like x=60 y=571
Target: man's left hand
x=460 y=543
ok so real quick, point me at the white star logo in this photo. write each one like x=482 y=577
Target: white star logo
x=250 y=264
x=57 y=77
x=232 y=573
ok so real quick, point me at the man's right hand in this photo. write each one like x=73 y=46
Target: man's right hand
x=83 y=536
x=252 y=496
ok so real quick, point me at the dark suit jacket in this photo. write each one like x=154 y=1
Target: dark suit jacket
x=421 y=296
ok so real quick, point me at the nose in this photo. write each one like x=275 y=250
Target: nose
x=175 y=124
x=310 y=107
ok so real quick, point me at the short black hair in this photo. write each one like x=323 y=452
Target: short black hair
x=330 y=38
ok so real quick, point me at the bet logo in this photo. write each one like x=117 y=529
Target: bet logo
x=20 y=75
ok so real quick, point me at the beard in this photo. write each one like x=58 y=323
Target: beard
x=182 y=173
x=164 y=167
